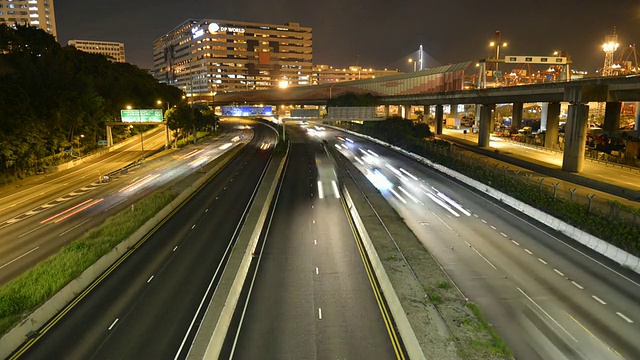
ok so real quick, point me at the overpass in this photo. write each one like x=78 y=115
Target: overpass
x=444 y=86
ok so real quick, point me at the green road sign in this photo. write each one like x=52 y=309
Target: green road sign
x=141 y=115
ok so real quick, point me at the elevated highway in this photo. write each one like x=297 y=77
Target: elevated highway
x=443 y=86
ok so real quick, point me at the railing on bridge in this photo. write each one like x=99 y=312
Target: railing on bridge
x=440 y=79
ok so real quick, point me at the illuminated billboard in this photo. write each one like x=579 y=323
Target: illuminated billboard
x=247 y=111
x=141 y=115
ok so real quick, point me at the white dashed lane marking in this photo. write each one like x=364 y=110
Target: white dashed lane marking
x=558 y=272
x=624 y=317
x=598 y=300
x=577 y=285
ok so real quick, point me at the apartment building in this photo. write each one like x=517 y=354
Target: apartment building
x=37 y=13
x=112 y=50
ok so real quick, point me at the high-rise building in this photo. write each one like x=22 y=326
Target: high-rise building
x=325 y=74
x=112 y=50
x=38 y=13
x=208 y=56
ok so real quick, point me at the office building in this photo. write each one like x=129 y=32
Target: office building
x=37 y=13
x=112 y=50
x=204 y=57
x=325 y=74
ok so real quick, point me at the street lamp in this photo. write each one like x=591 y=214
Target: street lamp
x=497 y=45
x=283 y=84
x=414 y=64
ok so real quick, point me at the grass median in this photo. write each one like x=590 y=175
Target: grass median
x=24 y=294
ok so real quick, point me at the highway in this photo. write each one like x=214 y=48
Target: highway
x=71 y=203
x=549 y=297
x=149 y=306
x=311 y=297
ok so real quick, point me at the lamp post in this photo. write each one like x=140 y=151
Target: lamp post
x=141 y=136
x=331 y=89
x=283 y=84
x=497 y=44
x=414 y=64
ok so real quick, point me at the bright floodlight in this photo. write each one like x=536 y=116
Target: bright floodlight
x=610 y=46
x=283 y=84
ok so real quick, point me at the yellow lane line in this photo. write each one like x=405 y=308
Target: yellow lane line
x=374 y=286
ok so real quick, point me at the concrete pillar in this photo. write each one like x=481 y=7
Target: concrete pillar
x=407 y=112
x=455 y=115
x=612 y=116
x=575 y=138
x=478 y=110
x=637 y=126
x=439 y=119
x=543 y=116
x=516 y=117
x=167 y=143
x=386 y=111
x=486 y=124
x=553 y=122
x=109 y=137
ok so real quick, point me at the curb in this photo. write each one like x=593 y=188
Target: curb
x=41 y=316
x=408 y=336
x=610 y=251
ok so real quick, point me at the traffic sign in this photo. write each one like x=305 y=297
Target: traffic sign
x=141 y=115
x=102 y=142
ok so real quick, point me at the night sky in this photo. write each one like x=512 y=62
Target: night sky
x=383 y=33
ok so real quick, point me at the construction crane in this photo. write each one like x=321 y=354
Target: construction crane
x=627 y=62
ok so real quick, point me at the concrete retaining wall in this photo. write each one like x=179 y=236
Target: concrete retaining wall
x=84 y=159
x=611 y=251
x=18 y=335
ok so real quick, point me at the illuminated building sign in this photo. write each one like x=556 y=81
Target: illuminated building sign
x=197 y=32
x=247 y=111
x=214 y=28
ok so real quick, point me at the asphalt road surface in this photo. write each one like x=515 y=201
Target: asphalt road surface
x=311 y=297
x=148 y=306
x=71 y=203
x=549 y=297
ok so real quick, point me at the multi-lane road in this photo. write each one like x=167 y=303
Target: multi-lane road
x=45 y=213
x=549 y=297
x=24 y=241
x=149 y=306
x=314 y=294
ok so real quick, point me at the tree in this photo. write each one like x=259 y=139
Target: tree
x=51 y=94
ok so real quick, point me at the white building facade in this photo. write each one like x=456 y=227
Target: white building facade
x=112 y=50
x=209 y=56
